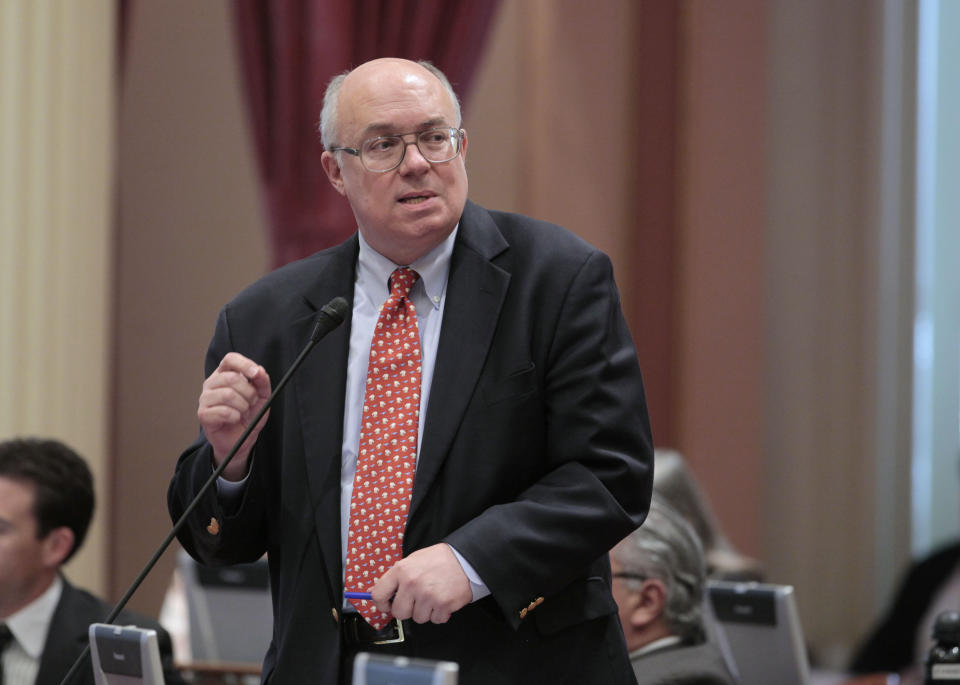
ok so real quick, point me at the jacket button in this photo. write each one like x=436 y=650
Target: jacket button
x=336 y=614
x=213 y=527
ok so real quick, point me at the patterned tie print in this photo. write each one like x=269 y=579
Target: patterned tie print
x=388 y=446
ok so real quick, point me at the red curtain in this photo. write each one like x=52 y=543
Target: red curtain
x=290 y=49
x=124 y=7
x=654 y=259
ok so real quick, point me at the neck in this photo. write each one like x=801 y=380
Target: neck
x=405 y=253
x=24 y=596
x=640 y=637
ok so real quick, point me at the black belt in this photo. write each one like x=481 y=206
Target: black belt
x=357 y=632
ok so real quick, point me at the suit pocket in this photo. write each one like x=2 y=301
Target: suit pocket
x=518 y=384
x=580 y=601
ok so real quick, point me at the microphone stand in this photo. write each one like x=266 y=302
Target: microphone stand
x=332 y=315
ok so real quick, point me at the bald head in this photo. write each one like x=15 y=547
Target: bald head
x=369 y=74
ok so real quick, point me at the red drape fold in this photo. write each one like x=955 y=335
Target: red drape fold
x=289 y=50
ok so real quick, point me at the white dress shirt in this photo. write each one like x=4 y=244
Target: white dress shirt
x=29 y=626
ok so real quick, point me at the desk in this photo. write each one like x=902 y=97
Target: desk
x=219 y=672
x=825 y=678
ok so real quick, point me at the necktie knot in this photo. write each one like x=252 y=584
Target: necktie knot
x=401 y=281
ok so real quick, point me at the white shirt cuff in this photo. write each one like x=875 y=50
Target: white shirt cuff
x=230 y=491
x=477 y=586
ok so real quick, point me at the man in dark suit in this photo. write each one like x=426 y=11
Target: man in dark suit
x=46 y=503
x=658 y=579
x=533 y=452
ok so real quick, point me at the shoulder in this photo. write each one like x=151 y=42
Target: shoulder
x=77 y=602
x=84 y=606
x=925 y=575
x=943 y=556
x=689 y=665
x=529 y=248
x=525 y=233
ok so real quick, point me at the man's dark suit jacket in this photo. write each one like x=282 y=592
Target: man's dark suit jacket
x=535 y=458
x=67 y=638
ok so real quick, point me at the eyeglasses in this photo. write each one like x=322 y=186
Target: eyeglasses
x=631 y=576
x=685 y=579
x=385 y=153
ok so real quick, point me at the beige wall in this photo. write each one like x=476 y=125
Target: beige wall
x=189 y=236
x=836 y=423
x=722 y=189
x=56 y=211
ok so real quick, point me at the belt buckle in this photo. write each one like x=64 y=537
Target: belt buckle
x=393 y=640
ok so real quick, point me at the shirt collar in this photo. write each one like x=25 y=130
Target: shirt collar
x=662 y=643
x=433 y=267
x=30 y=624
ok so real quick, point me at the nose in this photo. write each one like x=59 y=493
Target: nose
x=413 y=161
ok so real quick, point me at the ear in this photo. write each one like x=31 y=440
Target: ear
x=332 y=167
x=57 y=546
x=463 y=145
x=650 y=603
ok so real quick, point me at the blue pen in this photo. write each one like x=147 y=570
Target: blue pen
x=357 y=595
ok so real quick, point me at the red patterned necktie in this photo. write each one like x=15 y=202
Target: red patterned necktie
x=388 y=446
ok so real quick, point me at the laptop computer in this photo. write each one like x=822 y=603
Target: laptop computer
x=124 y=655
x=381 y=669
x=758 y=629
x=230 y=610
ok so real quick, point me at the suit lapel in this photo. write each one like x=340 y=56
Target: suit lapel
x=66 y=638
x=319 y=388
x=475 y=293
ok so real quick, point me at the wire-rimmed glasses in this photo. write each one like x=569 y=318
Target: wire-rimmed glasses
x=385 y=153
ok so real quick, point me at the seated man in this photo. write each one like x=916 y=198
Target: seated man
x=46 y=503
x=658 y=580
x=674 y=482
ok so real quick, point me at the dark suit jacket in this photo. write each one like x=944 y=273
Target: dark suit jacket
x=700 y=664
x=891 y=644
x=535 y=458
x=67 y=638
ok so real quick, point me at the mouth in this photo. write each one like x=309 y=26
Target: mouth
x=415 y=198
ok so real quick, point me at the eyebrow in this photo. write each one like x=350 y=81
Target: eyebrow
x=378 y=129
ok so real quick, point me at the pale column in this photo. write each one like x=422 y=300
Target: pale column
x=56 y=199
x=838 y=311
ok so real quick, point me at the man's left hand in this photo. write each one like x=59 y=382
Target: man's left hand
x=429 y=585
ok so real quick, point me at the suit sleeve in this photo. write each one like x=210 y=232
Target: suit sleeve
x=596 y=484
x=212 y=534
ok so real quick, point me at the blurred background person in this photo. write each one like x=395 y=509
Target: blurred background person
x=46 y=503
x=658 y=582
x=900 y=640
x=674 y=483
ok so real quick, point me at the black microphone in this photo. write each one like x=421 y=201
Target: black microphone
x=329 y=317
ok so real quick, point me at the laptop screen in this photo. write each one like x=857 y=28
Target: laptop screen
x=124 y=655
x=758 y=628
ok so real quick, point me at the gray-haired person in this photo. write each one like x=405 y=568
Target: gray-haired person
x=658 y=579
